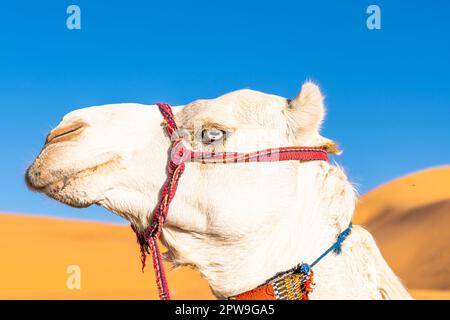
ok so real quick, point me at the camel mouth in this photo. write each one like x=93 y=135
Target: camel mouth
x=55 y=190
x=28 y=182
x=32 y=182
x=64 y=189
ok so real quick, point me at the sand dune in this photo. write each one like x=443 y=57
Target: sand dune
x=409 y=217
x=37 y=251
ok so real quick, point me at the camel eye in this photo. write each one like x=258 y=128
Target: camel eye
x=212 y=135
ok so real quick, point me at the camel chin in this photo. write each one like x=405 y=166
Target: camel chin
x=68 y=190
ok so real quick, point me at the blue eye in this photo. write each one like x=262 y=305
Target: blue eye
x=212 y=135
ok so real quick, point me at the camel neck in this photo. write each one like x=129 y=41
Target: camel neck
x=304 y=228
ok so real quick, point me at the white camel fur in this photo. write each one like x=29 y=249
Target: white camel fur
x=238 y=224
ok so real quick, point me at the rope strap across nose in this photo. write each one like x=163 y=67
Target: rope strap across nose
x=175 y=168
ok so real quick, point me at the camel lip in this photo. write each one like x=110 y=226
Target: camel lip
x=56 y=195
x=33 y=186
x=29 y=183
x=38 y=187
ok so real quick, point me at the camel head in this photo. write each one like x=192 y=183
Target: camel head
x=115 y=156
x=239 y=224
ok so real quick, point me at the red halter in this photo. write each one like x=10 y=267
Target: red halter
x=175 y=168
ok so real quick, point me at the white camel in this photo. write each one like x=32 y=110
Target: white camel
x=237 y=224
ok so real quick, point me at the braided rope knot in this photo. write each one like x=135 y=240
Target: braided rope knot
x=341 y=238
x=304 y=268
x=178 y=155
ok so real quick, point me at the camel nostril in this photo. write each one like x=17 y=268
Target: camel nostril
x=65 y=133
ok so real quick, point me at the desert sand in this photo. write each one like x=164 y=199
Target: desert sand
x=409 y=217
x=36 y=253
x=410 y=220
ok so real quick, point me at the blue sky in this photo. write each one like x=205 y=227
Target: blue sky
x=388 y=90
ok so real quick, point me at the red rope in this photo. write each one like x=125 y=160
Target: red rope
x=267 y=155
x=175 y=169
x=174 y=172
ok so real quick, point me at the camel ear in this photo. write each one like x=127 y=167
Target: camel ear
x=306 y=111
x=305 y=114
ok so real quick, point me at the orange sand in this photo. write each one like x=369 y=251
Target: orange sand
x=409 y=217
x=410 y=220
x=37 y=251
